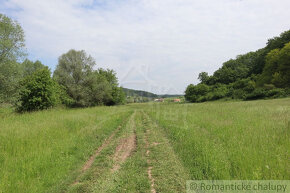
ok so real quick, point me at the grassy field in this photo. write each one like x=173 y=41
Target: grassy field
x=39 y=150
x=229 y=140
x=143 y=147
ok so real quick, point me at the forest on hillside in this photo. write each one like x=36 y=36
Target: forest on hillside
x=264 y=73
x=139 y=96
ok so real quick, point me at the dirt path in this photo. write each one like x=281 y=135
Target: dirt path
x=90 y=161
x=123 y=151
x=138 y=159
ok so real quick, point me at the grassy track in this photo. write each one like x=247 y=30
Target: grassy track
x=156 y=148
x=132 y=176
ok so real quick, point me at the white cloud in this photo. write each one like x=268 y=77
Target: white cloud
x=173 y=40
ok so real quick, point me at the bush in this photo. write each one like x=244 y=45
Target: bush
x=258 y=93
x=277 y=92
x=119 y=96
x=219 y=92
x=239 y=94
x=261 y=93
x=38 y=92
x=196 y=93
x=63 y=96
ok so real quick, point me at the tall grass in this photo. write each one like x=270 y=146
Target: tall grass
x=39 y=150
x=229 y=140
x=216 y=140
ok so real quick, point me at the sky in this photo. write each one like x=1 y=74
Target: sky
x=155 y=45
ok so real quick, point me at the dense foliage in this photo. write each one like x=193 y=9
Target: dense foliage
x=11 y=49
x=85 y=86
x=29 y=84
x=38 y=92
x=255 y=75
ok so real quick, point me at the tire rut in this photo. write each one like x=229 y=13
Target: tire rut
x=90 y=161
x=125 y=148
x=149 y=169
x=123 y=151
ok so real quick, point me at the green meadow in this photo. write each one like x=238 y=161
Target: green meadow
x=170 y=143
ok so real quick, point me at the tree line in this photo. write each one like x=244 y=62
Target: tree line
x=264 y=73
x=31 y=86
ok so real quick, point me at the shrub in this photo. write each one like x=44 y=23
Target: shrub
x=239 y=94
x=258 y=93
x=38 y=92
x=219 y=92
x=196 y=93
x=277 y=92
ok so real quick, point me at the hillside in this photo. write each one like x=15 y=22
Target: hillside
x=140 y=93
x=255 y=75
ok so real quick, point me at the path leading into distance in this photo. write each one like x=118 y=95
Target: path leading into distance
x=136 y=157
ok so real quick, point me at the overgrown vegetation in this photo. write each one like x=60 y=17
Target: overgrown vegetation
x=11 y=49
x=29 y=85
x=264 y=73
x=38 y=92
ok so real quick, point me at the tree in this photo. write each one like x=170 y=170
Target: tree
x=196 y=93
x=117 y=95
x=38 y=92
x=277 y=68
x=99 y=89
x=10 y=75
x=29 y=67
x=11 y=49
x=74 y=72
x=203 y=77
x=283 y=68
x=11 y=41
x=260 y=74
x=110 y=76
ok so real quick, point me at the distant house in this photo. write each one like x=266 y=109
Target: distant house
x=176 y=100
x=159 y=100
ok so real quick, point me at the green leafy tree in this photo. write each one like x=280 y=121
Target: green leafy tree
x=283 y=71
x=29 y=67
x=85 y=86
x=74 y=73
x=196 y=93
x=277 y=68
x=203 y=77
x=117 y=95
x=264 y=73
x=11 y=41
x=11 y=49
x=100 y=90
x=38 y=92
x=110 y=76
x=10 y=75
